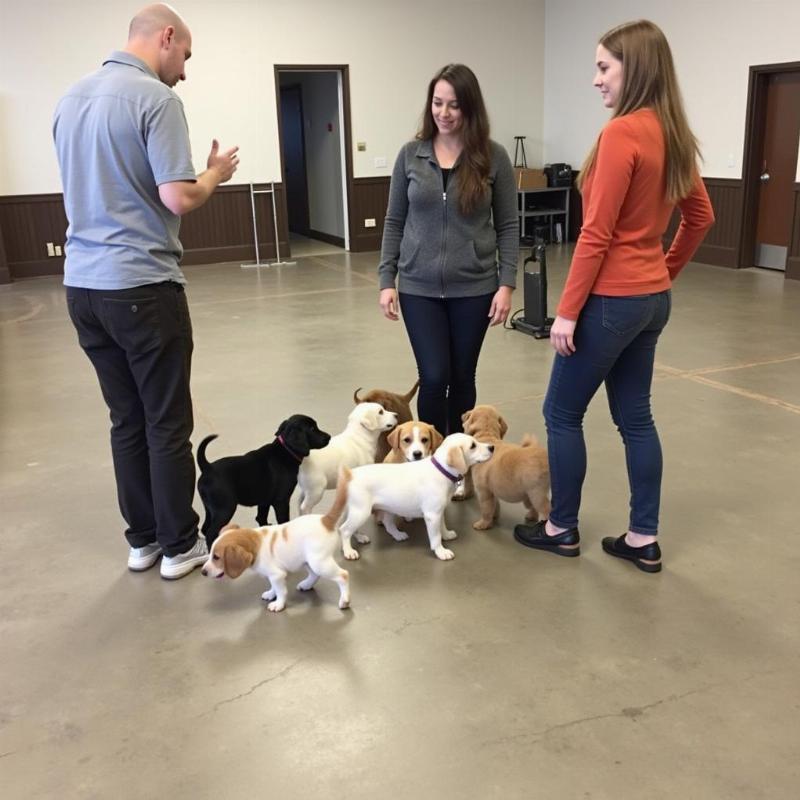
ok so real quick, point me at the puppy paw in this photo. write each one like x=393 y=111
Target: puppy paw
x=351 y=554
x=532 y=516
x=276 y=605
x=481 y=525
x=268 y=595
x=344 y=602
x=449 y=535
x=306 y=585
x=444 y=554
x=398 y=536
x=362 y=538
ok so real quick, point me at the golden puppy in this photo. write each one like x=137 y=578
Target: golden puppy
x=516 y=473
x=399 y=403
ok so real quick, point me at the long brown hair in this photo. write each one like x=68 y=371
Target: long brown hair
x=473 y=170
x=649 y=81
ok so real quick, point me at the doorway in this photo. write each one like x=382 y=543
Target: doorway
x=771 y=158
x=313 y=125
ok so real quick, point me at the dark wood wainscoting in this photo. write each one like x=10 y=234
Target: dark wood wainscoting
x=221 y=230
x=721 y=245
x=793 y=261
x=369 y=199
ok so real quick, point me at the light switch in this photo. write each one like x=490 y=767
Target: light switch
x=361 y=146
x=380 y=161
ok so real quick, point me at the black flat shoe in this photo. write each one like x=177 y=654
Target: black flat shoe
x=565 y=544
x=647 y=558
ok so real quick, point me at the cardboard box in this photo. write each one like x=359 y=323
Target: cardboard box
x=529 y=178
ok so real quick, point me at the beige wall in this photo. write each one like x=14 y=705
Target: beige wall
x=714 y=45
x=392 y=49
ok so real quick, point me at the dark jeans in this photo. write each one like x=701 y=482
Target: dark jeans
x=615 y=342
x=140 y=343
x=446 y=335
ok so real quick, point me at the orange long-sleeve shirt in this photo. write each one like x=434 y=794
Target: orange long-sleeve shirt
x=619 y=250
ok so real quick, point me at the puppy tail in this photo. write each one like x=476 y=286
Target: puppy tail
x=202 y=461
x=411 y=392
x=340 y=501
x=356 y=398
x=529 y=440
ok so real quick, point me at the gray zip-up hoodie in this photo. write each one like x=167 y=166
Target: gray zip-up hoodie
x=434 y=249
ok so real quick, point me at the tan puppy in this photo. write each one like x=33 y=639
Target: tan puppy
x=275 y=550
x=399 y=403
x=515 y=473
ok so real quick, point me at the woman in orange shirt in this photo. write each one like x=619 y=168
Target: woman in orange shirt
x=616 y=300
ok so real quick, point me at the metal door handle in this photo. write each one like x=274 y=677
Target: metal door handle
x=764 y=177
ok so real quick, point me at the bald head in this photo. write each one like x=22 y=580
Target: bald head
x=155 y=18
x=159 y=37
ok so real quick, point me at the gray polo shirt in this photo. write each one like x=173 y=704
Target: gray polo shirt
x=119 y=134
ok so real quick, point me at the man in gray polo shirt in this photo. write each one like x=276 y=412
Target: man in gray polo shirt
x=123 y=148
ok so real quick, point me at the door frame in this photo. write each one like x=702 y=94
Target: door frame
x=344 y=73
x=753 y=145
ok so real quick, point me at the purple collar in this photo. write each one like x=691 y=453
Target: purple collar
x=454 y=478
x=289 y=449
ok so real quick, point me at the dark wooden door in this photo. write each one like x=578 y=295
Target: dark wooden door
x=294 y=158
x=778 y=170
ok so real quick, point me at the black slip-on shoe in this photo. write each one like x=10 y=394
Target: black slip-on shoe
x=565 y=544
x=646 y=558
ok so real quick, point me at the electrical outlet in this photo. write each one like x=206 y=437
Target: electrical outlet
x=58 y=250
x=369 y=223
x=51 y=249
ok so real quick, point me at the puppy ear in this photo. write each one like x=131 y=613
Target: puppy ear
x=281 y=428
x=236 y=560
x=465 y=416
x=436 y=438
x=456 y=460
x=394 y=438
x=503 y=427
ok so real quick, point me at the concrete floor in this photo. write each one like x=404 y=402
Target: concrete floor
x=506 y=673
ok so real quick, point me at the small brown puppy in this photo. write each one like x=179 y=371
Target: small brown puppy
x=516 y=473
x=399 y=403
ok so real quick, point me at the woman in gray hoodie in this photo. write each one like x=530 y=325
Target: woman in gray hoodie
x=451 y=242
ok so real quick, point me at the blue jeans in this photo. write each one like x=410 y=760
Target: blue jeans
x=446 y=336
x=615 y=341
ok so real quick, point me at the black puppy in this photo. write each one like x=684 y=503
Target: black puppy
x=264 y=477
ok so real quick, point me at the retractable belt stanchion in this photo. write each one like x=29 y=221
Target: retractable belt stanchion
x=258 y=262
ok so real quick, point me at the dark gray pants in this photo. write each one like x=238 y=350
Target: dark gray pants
x=140 y=343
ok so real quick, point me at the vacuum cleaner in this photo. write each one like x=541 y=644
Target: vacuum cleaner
x=534 y=320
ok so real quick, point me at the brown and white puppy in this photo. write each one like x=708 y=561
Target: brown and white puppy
x=275 y=550
x=410 y=441
x=516 y=473
x=399 y=403
x=414 y=489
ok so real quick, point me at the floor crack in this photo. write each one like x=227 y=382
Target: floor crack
x=255 y=687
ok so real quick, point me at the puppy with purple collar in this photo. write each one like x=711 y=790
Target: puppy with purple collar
x=412 y=490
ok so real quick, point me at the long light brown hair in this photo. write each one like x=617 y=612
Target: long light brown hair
x=649 y=81
x=473 y=169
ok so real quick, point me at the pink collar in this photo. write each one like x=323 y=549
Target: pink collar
x=289 y=449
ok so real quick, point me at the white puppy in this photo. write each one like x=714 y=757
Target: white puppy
x=275 y=550
x=354 y=446
x=414 y=489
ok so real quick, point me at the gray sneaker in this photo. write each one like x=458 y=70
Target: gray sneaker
x=142 y=558
x=177 y=566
